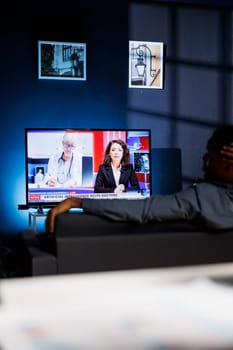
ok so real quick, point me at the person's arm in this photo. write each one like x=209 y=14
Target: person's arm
x=134 y=184
x=51 y=175
x=76 y=172
x=183 y=205
x=101 y=183
x=62 y=207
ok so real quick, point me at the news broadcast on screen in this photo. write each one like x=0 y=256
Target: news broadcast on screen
x=48 y=182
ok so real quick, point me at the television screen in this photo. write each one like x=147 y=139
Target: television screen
x=62 y=163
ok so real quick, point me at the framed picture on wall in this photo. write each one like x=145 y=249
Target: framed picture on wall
x=146 y=64
x=61 y=60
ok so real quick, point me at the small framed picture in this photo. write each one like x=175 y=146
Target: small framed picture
x=61 y=60
x=146 y=64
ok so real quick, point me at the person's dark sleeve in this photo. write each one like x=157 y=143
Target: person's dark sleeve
x=182 y=205
x=134 y=185
x=100 y=186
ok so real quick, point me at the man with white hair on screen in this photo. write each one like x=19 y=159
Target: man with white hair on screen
x=65 y=167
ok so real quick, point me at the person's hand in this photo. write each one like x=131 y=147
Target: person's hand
x=52 y=182
x=120 y=188
x=62 y=207
x=50 y=221
x=227 y=154
x=227 y=160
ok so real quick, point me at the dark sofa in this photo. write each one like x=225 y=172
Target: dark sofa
x=88 y=243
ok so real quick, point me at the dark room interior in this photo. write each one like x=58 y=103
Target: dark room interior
x=158 y=73
x=196 y=96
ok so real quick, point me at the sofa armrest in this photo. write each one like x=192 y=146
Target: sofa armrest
x=37 y=257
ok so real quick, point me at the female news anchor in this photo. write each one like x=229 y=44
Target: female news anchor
x=116 y=174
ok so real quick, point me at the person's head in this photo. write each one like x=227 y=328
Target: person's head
x=117 y=150
x=69 y=143
x=215 y=166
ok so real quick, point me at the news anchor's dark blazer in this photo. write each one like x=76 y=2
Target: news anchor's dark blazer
x=105 y=182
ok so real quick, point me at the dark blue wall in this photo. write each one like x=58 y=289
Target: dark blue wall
x=29 y=102
x=198 y=79
x=198 y=93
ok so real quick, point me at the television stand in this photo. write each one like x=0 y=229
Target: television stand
x=34 y=214
x=40 y=209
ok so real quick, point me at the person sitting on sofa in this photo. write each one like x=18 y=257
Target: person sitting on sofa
x=210 y=201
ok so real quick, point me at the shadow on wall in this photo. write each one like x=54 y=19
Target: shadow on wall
x=198 y=90
x=166 y=170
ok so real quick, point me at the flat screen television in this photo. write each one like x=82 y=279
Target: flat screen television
x=44 y=149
